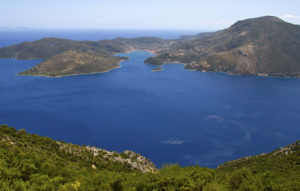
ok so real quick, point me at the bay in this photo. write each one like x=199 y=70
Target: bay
x=171 y=116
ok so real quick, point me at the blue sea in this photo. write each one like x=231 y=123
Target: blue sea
x=171 y=116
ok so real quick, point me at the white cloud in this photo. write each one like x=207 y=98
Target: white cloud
x=289 y=16
x=295 y=19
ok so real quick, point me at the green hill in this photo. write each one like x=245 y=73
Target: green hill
x=68 y=57
x=259 y=46
x=73 y=62
x=32 y=162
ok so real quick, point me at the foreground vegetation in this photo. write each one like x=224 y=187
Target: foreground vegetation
x=32 y=162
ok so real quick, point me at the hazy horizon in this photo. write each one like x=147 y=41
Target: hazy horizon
x=195 y=15
x=22 y=28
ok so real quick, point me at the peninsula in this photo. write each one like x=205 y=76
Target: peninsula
x=259 y=46
x=62 y=57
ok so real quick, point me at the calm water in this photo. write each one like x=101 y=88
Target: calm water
x=170 y=116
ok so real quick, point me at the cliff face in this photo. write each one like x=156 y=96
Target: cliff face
x=265 y=45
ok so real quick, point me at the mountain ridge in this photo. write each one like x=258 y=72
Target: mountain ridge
x=266 y=46
x=259 y=46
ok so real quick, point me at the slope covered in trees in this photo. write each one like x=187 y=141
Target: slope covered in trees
x=32 y=162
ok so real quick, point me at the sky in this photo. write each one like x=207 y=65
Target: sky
x=141 y=14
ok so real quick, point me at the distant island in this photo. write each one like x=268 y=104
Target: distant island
x=265 y=46
x=32 y=162
x=158 y=69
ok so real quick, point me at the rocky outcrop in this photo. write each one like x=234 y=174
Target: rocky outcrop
x=128 y=158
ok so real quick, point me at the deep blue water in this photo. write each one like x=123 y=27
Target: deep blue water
x=171 y=116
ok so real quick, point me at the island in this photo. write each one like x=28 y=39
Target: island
x=158 y=69
x=264 y=46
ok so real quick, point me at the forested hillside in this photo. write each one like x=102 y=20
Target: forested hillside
x=32 y=162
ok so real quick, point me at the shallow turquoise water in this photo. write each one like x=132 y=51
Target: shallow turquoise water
x=171 y=116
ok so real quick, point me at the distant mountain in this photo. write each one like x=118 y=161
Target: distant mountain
x=68 y=57
x=48 y=47
x=32 y=162
x=260 y=46
x=194 y=37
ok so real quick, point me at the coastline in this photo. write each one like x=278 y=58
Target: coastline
x=153 y=52
x=274 y=75
x=255 y=75
x=90 y=73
